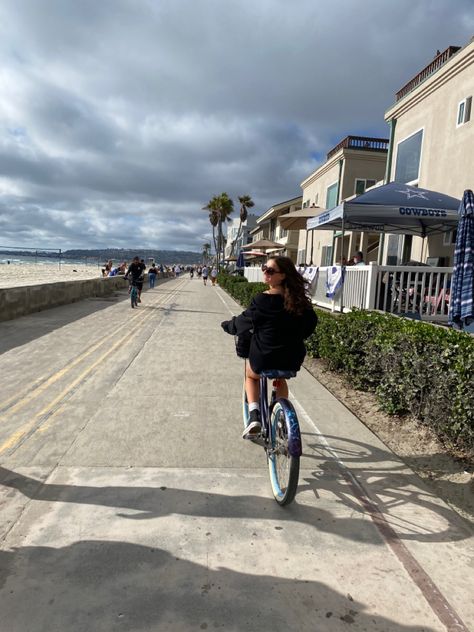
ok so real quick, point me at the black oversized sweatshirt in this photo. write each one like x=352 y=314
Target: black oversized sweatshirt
x=278 y=335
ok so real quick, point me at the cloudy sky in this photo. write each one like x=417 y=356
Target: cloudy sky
x=120 y=119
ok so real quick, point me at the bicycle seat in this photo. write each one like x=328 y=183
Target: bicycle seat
x=276 y=374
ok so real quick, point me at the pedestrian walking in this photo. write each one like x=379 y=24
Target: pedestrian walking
x=152 y=276
x=214 y=276
x=205 y=274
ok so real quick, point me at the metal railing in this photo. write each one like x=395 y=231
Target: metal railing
x=430 y=69
x=364 y=143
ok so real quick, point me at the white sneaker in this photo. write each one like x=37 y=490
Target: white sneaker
x=254 y=429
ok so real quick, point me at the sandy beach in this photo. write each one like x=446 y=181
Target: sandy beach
x=16 y=274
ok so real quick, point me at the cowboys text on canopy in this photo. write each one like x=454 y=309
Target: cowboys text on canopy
x=392 y=208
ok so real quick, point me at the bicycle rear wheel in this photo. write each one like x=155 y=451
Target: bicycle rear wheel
x=133 y=296
x=245 y=408
x=284 y=467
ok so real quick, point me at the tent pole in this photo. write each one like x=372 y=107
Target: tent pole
x=423 y=248
x=381 y=247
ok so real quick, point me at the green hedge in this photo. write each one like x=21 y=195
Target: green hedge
x=412 y=367
x=240 y=288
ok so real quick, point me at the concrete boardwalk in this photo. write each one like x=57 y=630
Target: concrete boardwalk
x=129 y=501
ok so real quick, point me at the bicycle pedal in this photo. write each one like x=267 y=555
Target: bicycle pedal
x=258 y=440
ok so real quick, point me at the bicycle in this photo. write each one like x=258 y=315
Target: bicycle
x=280 y=438
x=133 y=293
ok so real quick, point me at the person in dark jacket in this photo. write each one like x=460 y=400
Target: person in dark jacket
x=280 y=319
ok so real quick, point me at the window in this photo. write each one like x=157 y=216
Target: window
x=306 y=204
x=283 y=232
x=449 y=238
x=331 y=196
x=362 y=185
x=302 y=257
x=326 y=255
x=316 y=199
x=273 y=224
x=464 y=111
x=408 y=159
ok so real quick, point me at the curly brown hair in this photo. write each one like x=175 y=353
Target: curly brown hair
x=295 y=288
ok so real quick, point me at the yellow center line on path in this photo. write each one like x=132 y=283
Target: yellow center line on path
x=41 y=384
x=17 y=436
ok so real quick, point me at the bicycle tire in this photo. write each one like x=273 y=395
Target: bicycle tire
x=284 y=468
x=245 y=407
x=133 y=297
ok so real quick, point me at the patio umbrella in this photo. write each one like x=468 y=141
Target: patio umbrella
x=297 y=219
x=461 y=304
x=264 y=244
x=254 y=253
x=240 y=260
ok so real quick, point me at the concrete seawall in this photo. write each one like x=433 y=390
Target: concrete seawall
x=19 y=301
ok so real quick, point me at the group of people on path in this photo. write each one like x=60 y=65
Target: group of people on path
x=203 y=272
x=135 y=274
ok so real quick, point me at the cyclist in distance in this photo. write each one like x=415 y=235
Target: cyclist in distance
x=279 y=319
x=136 y=271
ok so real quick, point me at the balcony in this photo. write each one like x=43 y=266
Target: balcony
x=361 y=143
x=417 y=292
x=435 y=65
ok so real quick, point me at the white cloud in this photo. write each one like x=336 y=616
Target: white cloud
x=120 y=119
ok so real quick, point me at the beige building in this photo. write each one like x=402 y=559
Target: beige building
x=432 y=143
x=354 y=165
x=269 y=228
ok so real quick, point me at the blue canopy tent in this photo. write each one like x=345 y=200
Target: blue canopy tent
x=392 y=208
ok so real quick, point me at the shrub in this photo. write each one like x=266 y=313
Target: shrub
x=239 y=288
x=412 y=367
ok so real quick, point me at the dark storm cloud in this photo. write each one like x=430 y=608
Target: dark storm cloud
x=120 y=119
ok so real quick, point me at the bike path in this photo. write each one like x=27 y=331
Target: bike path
x=130 y=502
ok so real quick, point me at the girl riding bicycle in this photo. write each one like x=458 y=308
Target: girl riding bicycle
x=280 y=319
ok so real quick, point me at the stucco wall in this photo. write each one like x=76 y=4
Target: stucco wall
x=19 y=301
x=447 y=152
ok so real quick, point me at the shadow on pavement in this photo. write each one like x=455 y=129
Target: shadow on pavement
x=103 y=585
x=152 y=502
x=390 y=486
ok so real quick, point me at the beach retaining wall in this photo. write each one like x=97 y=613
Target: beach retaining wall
x=19 y=301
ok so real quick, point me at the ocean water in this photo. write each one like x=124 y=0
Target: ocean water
x=46 y=261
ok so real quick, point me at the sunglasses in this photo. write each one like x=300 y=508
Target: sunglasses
x=270 y=271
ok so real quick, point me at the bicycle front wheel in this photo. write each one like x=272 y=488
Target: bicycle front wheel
x=284 y=467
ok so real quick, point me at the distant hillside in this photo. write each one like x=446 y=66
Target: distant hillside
x=166 y=257
x=123 y=254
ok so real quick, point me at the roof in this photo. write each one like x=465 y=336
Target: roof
x=276 y=209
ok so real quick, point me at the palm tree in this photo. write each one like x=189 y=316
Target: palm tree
x=206 y=252
x=245 y=202
x=220 y=208
x=225 y=209
x=211 y=206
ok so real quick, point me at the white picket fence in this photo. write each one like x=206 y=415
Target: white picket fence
x=414 y=291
